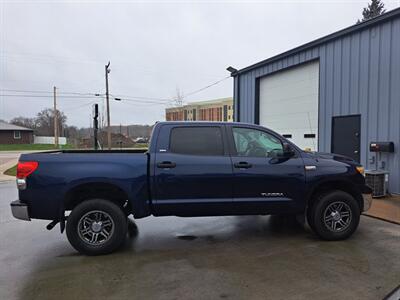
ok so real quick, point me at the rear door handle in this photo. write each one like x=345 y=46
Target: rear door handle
x=243 y=165
x=166 y=165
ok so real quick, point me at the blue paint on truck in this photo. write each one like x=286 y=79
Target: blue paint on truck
x=191 y=169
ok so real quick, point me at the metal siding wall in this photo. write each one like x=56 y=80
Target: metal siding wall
x=235 y=97
x=354 y=80
x=328 y=99
x=363 y=100
x=359 y=74
x=322 y=94
x=394 y=119
x=337 y=80
x=345 y=77
x=373 y=87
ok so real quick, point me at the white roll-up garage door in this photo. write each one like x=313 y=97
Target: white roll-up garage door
x=289 y=104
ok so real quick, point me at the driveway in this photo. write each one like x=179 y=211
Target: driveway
x=248 y=257
x=7 y=160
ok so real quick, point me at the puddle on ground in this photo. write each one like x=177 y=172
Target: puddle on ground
x=187 y=237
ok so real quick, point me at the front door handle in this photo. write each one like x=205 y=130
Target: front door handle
x=243 y=165
x=166 y=165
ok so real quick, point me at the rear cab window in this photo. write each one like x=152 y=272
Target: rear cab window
x=201 y=140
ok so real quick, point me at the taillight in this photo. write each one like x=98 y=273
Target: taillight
x=25 y=168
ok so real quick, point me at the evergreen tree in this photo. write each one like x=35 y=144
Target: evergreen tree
x=374 y=9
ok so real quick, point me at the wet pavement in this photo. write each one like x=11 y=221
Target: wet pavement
x=249 y=257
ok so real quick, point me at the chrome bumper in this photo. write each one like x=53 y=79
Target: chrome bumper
x=20 y=210
x=367 y=197
x=367 y=201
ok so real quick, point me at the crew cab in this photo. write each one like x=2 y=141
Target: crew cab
x=190 y=169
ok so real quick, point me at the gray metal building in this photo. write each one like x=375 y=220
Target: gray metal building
x=349 y=85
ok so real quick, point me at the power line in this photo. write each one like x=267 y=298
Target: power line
x=79 y=106
x=146 y=101
x=142 y=103
x=46 y=58
x=125 y=97
x=45 y=97
x=141 y=97
x=206 y=87
x=49 y=96
x=48 y=92
x=24 y=91
x=80 y=95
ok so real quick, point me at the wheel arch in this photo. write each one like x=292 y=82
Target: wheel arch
x=98 y=189
x=341 y=185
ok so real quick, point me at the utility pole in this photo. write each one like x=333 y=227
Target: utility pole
x=108 y=107
x=95 y=125
x=55 y=118
x=120 y=136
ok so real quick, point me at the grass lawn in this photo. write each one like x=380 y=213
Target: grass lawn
x=141 y=145
x=11 y=171
x=16 y=147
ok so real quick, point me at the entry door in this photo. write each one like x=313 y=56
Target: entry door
x=193 y=171
x=346 y=136
x=264 y=181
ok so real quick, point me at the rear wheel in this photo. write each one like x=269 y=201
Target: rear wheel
x=96 y=227
x=335 y=216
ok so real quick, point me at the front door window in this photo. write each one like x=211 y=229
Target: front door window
x=256 y=143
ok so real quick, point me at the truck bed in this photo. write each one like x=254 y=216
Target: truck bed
x=60 y=172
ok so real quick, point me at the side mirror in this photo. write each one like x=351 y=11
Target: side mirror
x=288 y=150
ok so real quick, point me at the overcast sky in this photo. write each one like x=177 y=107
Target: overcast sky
x=154 y=48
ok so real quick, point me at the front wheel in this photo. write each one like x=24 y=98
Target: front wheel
x=335 y=216
x=96 y=227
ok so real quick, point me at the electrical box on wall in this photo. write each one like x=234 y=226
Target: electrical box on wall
x=381 y=147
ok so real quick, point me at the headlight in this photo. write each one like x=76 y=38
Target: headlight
x=360 y=169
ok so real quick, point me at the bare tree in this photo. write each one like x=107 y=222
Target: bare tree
x=24 y=122
x=45 y=122
x=72 y=132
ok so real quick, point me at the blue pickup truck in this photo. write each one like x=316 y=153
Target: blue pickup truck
x=190 y=169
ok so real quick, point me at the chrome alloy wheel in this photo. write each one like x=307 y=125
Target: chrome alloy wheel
x=95 y=227
x=337 y=216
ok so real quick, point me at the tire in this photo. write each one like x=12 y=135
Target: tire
x=335 y=216
x=96 y=227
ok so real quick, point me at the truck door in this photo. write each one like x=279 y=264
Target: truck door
x=193 y=171
x=264 y=181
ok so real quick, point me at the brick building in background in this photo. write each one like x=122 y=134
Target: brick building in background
x=13 y=134
x=212 y=110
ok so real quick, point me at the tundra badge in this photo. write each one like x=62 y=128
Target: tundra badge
x=310 y=168
x=272 y=194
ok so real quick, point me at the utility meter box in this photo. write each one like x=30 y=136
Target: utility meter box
x=381 y=147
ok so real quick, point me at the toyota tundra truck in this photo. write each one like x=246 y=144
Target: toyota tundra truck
x=190 y=169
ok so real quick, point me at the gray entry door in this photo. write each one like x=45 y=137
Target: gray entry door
x=346 y=136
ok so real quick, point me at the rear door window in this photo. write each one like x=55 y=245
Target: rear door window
x=196 y=140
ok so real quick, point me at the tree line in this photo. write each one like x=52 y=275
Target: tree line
x=43 y=125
